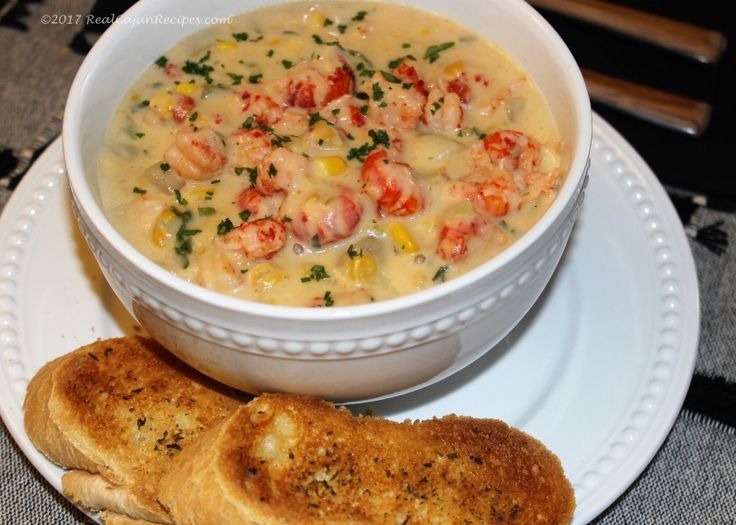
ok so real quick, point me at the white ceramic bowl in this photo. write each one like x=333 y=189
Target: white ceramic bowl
x=351 y=353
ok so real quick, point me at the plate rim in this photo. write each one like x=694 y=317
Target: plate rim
x=46 y=176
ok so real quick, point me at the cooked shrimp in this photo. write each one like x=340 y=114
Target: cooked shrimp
x=322 y=219
x=491 y=194
x=394 y=105
x=182 y=108
x=293 y=121
x=307 y=87
x=248 y=147
x=256 y=239
x=443 y=111
x=280 y=170
x=343 y=113
x=511 y=150
x=456 y=231
x=262 y=109
x=197 y=155
x=259 y=204
x=391 y=185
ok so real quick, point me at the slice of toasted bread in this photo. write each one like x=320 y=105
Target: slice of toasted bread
x=289 y=459
x=117 y=412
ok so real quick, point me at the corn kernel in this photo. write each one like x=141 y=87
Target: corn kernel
x=200 y=196
x=187 y=88
x=330 y=166
x=163 y=228
x=363 y=268
x=402 y=238
x=455 y=68
x=326 y=136
x=224 y=45
x=162 y=103
x=264 y=275
x=273 y=41
x=316 y=19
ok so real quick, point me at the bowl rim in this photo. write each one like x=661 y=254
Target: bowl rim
x=71 y=138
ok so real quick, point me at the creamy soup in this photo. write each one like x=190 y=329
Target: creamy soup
x=329 y=154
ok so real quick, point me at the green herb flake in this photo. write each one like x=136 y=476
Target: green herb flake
x=239 y=170
x=390 y=77
x=248 y=123
x=252 y=176
x=269 y=53
x=244 y=215
x=314 y=118
x=441 y=274
x=164 y=166
x=315 y=241
x=140 y=135
x=433 y=52
x=225 y=226
x=181 y=200
x=193 y=116
x=353 y=253
x=360 y=15
x=327 y=298
x=255 y=78
x=286 y=218
x=406 y=45
x=237 y=79
x=377 y=91
x=272 y=170
x=240 y=37
x=206 y=211
x=342 y=28
x=288 y=64
x=317 y=39
x=328 y=22
x=138 y=190
x=203 y=70
x=162 y=61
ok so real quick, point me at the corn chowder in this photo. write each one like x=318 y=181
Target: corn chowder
x=329 y=154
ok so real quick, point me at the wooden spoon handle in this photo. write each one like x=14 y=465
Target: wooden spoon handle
x=704 y=45
x=663 y=108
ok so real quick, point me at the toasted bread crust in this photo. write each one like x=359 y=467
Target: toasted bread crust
x=289 y=459
x=120 y=408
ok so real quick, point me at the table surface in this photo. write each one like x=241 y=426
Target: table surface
x=691 y=479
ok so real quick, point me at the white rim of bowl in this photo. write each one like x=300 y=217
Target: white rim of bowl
x=75 y=173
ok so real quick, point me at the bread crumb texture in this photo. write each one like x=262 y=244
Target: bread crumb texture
x=302 y=460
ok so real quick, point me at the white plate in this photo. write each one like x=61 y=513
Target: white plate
x=597 y=371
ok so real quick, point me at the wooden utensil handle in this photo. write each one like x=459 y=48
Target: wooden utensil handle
x=704 y=45
x=667 y=109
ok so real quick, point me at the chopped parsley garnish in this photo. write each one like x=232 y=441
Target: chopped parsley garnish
x=193 y=116
x=288 y=64
x=181 y=200
x=244 y=215
x=270 y=53
x=342 y=28
x=377 y=91
x=272 y=170
x=237 y=79
x=406 y=45
x=208 y=195
x=286 y=218
x=398 y=61
x=352 y=253
x=360 y=15
x=328 y=22
x=183 y=246
x=248 y=123
x=315 y=241
x=479 y=133
x=317 y=39
x=437 y=105
x=316 y=273
x=164 y=166
x=255 y=78
x=364 y=109
x=206 y=211
x=144 y=103
x=441 y=274
x=391 y=77
x=136 y=189
x=140 y=135
x=316 y=117
x=252 y=176
x=362 y=95
x=327 y=298
x=239 y=170
x=162 y=61
x=335 y=111
x=240 y=37
x=225 y=226
x=433 y=52
x=203 y=70
x=380 y=138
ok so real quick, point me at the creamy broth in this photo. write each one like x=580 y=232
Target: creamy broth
x=328 y=154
